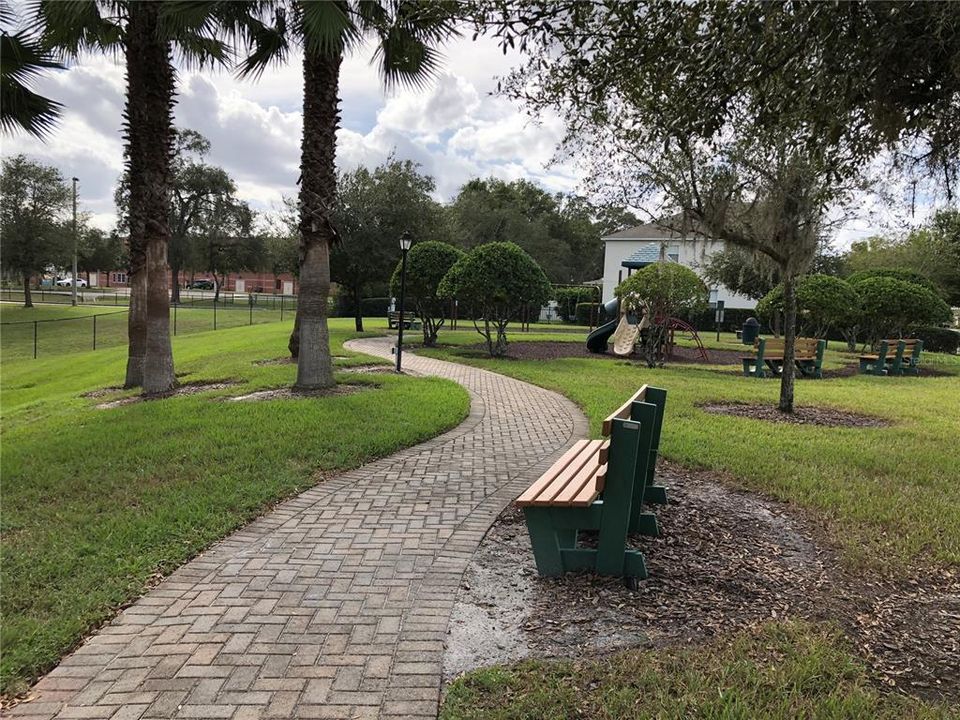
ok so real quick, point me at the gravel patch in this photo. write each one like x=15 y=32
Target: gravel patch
x=185 y=389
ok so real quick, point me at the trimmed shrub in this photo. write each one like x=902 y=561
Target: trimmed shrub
x=569 y=298
x=665 y=289
x=496 y=280
x=427 y=264
x=938 y=339
x=910 y=276
x=891 y=307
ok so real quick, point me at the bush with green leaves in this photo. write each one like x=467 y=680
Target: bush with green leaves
x=568 y=298
x=910 y=276
x=496 y=280
x=938 y=339
x=427 y=264
x=824 y=303
x=667 y=290
x=892 y=307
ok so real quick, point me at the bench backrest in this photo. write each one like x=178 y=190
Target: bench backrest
x=802 y=347
x=646 y=405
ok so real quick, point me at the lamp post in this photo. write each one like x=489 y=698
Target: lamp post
x=73 y=300
x=406 y=240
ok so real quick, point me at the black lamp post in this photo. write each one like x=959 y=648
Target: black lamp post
x=406 y=240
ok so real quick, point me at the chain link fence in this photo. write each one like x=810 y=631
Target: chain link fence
x=56 y=336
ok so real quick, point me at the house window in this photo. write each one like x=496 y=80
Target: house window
x=673 y=253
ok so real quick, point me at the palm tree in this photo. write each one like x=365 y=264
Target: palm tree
x=21 y=57
x=146 y=32
x=406 y=34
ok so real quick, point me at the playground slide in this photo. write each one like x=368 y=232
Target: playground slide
x=597 y=340
x=625 y=337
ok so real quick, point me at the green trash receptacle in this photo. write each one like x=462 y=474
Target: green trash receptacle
x=751 y=328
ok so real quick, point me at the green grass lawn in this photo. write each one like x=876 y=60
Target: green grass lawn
x=888 y=496
x=97 y=502
x=64 y=329
x=781 y=671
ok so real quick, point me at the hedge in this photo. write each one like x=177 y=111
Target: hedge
x=938 y=339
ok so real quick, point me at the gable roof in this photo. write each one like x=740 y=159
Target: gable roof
x=653 y=231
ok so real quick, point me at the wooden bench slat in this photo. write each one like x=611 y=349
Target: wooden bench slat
x=570 y=474
x=591 y=490
x=583 y=480
x=622 y=412
x=559 y=466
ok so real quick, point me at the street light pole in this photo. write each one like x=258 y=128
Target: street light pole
x=73 y=300
x=406 y=240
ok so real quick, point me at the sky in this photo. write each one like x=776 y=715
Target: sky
x=455 y=128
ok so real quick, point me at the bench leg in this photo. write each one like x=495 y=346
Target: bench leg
x=546 y=541
x=655 y=494
x=645 y=523
x=747 y=368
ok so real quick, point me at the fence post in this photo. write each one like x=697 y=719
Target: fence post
x=35 y=323
x=281 y=308
x=250 y=303
x=214 y=313
x=94 y=332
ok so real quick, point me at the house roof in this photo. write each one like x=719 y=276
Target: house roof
x=653 y=231
x=647 y=254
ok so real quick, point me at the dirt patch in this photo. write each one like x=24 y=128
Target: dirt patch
x=726 y=560
x=287 y=360
x=808 y=415
x=287 y=393
x=553 y=350
x=370 y=369
x=185 y=389
x=102 y=392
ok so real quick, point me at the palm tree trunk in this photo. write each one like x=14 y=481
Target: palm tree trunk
x=150 y=89
x=318 y=187
x=27 y=297
x=137 y=316
x=789 y=341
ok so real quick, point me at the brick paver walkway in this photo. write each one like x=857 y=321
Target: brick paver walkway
x=336 y=604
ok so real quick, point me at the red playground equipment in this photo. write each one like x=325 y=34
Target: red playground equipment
x=675 y=324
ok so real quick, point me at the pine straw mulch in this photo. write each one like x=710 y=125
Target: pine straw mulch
x=726 y=560
x=190 y=388
x=806 y=415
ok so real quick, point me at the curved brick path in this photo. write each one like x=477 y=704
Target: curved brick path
x=336 y=604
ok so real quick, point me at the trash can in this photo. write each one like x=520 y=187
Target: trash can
x=751 y=328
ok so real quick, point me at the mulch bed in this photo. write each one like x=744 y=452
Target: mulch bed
x=287 y=360
x=288 y=393
x=807 y=415
x=553 y=350
x=186 y=389
x=726 y=561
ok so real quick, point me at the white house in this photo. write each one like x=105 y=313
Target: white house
x=636 y=247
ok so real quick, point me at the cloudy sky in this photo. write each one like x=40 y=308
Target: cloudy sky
x=454 y=128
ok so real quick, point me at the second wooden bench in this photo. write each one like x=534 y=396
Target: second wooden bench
x=807 y=356
x=600 y=485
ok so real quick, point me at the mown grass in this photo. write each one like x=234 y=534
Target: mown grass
x=779 y=671
x=64 y=329
x=888 y=496
x=97 y=502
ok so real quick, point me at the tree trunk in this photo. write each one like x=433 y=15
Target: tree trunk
x=318 y=189
x=175 y=284
x=293 y=345
x=789 y=342
x=27 y=297
x=358 y=310
x=149 y=125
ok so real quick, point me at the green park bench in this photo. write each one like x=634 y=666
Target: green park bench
x=410 y=320
x=768 y=357
x=905 y=360
x=600 y=485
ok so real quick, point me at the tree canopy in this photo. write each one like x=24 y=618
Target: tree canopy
x=427 y=264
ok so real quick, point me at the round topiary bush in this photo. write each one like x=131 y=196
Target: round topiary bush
x=427 y=264
x=892 y=307
x=496 y=280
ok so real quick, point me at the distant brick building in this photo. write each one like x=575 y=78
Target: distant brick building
x=243 y=282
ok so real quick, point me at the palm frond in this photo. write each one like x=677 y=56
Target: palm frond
x=266 y=44
x=71 y=26
x=327 y=28
x=406 y=41
x=21 y=58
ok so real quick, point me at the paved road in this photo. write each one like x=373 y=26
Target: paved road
x=335 y=604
